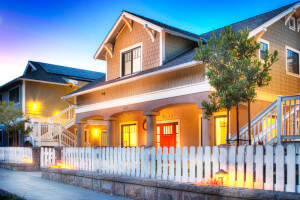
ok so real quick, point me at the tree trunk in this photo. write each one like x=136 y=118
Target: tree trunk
x=237 y=126
x=249 y=122
x=227 y=126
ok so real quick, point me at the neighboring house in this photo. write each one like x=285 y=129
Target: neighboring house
x=38 y=93
x=153 y=90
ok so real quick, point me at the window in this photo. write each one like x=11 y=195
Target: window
x=129 y=133
x=1 y=97
x=264 y=45
x=131 y=61
x=292 y=61
x=298 y=24
x=220 y=130
x=1 y=136
x=14 y=95
x=103 y=139
x=292 y=23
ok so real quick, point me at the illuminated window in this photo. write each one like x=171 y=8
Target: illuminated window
x=292 y=61
x=129 y=133
x=220 y=129
x=103 y=139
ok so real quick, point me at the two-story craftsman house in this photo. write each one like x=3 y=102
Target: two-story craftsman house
x=38 y=93
x=153 y=90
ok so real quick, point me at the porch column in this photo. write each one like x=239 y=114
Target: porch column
x=151 y=129
x=80 y=134
x=110 y=131
x=208 y=135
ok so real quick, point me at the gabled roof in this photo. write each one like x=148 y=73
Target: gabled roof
x=56 y=74
x=257 y=23
x=150 y=23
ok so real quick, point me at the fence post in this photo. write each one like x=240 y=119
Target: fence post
x=58 y=151
x=279 y=118
x=36 y=158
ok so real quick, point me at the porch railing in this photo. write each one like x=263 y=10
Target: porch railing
x=66 y=117
x=278 y=122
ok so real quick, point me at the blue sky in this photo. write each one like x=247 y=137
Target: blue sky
x=68 y=32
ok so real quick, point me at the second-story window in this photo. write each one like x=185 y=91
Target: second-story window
x=1 y=97
x=292 y=61
x=292 y=23
x=264 y=45
x=131 y=61
x=14 y=95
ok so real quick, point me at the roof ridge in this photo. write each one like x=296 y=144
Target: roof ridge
x=289 y=5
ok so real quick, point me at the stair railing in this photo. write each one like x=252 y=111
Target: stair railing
x=65 y=117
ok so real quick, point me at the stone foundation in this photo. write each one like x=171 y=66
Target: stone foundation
x=142 y=188
x=19 y=166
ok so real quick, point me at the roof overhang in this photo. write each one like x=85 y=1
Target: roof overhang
x=264 y=26
x=121 y=22
x=177 y=67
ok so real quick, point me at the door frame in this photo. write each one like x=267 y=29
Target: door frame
x=171 y=121
x=215 y=133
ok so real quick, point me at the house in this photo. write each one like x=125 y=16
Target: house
x=38 y=93
x=153 y=89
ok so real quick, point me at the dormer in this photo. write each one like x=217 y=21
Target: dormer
x=136 y=43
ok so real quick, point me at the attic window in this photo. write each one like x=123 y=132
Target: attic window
x=131 y=60
x=292 y=23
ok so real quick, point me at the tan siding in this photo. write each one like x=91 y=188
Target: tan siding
x=151 y=52
x=48 y=96
x=175 y=45
x=159 y=82
x=279 y=36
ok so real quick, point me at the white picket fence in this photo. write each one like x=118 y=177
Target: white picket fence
x=269 y=168
x=47 y=156
x=16 y=154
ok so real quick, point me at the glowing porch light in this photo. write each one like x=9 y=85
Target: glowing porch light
x=34 y=107
x=56 y=113
x=97 y=132
x=27 y=160
x=221 y=175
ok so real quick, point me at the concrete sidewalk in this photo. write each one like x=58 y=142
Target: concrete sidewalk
x=30 y=185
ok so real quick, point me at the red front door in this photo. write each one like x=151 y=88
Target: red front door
x=166 y=134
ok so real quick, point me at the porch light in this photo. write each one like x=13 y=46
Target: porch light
x=56 y=113
x=27 y=160
x=34 y=107
x=221 y=175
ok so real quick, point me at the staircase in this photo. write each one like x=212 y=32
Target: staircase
x=55 y=132
x=278 y=123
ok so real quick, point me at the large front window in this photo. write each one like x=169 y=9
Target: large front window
x=14 y=95
x=293 y=61
x=129 y=133
x=131 y=61
x=220 y=129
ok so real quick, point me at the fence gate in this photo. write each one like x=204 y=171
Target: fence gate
x=47 y=157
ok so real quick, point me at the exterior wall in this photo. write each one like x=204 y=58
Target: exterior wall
x=47 y=97
x=150 y=50
x=279 y=35
x=169 y=80
x=175 y=45
x=5 y=92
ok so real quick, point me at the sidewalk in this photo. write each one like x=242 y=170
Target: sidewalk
x=30 y=186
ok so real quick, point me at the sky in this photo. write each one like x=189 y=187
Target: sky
x=69 y=32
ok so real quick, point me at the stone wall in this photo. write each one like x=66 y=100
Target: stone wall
x=143 y=188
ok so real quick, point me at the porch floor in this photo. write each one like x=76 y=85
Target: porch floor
x=30 y=185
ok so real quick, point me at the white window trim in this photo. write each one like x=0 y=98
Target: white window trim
x=171 y=121
x=286 y=69
x=127 y=49
x=137 y=131
x=292 y=27
x=18 y=86
x=266 y=42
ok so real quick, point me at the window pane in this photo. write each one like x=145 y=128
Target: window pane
x=1 y=97
x=263 y=48
x=127 y=63
x=103 y=139
x=136 y=60
x=14 y=95
x=129 y=134
x=221 y=129
x=292 y=62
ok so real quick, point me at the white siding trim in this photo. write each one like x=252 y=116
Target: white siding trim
x=151 y=96
x=23 y=96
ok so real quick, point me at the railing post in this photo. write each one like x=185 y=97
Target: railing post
x=39 y=133
x=279 y=118
x=60 y=132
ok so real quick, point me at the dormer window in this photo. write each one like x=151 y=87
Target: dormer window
x=131 y=60
x=292 y=23
x=264 y=45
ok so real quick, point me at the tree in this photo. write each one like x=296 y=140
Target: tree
x=224 y=73
x=13 y=119
x=255 y=71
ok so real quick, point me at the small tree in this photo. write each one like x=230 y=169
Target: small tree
x=223 y=72
x=13 y=120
